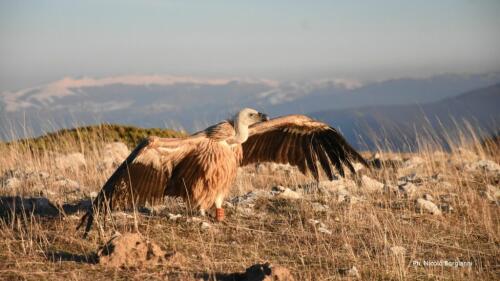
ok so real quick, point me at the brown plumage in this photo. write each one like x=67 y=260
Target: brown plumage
x=201 y=168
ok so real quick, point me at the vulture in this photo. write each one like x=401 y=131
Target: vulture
x=202 y=167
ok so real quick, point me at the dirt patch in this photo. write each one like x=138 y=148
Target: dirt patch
x=134 y=250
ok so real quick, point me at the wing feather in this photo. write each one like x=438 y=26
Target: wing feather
x=143 y=176
x=300 y=141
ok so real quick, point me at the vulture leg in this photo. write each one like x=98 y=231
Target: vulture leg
x=219 y=212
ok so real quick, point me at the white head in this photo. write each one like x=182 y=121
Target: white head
x=245 y=118
x=248 y=116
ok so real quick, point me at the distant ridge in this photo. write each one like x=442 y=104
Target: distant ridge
x=193 y=103
x=399 y=126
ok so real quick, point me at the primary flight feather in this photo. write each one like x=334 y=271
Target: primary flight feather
x=201 y=168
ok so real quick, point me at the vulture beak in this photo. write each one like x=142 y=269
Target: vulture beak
x=263 y=117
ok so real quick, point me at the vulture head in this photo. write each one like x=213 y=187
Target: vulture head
x=247 y=117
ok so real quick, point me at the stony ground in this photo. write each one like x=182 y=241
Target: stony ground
x=429 y=215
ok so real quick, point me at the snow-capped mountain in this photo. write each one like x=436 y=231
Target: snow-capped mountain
x=192 y=103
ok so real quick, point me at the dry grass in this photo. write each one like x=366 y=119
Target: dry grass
x=277 y=230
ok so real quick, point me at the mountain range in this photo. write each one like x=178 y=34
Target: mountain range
x=402 y=127
x=191 y=103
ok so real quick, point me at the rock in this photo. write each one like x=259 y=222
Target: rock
x=448 y=198
x=248 y=198
x=313 y=222
x=73 y=161
x=358 y=167
x=445 y=207
x=13 y=183
x=133 y=250
x=380 y=161
x=398 y=250
x=205 y=225
x=93 y=194
x=408 y=189
x=428 y=206
x=350 y=272
x=269 y=168
x=428 y=197
x=413 y=178
x=286 y=193
x=371 y=185
x=194 y=219
x=335 y=185
x=413 y=162
x=324 y=230
x=265 y=272
x=113 y=155
x=483 y=166
x=174 y=217
x=67 y=183
x=344 y=197
x=318 y=207
x=492 y=193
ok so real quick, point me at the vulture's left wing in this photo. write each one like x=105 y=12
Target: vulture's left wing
x=300 y=141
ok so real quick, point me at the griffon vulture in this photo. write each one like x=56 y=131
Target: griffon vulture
x=202 y=167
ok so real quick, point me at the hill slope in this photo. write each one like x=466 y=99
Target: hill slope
x=90 y=135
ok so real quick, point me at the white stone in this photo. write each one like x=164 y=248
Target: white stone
x=113 y=155
x=413 y=162
x=483 y=166
x=318 y=207
x=408 y=188
x=398 y=250
x=13 y=183
x=324 y=230
x=205 y=225
x=67 y=183
x=72 y=161
x=174 y=217
x=358 y=166
x=371 y=185
x=248 y=198
x=428 y=206
x=336 y=185
x=492 y=193
x=313 y=221
x=352 y=272
x=428 y=197
x=289 y=194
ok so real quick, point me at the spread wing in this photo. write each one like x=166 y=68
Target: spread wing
x=300 y=141
x=143 y=176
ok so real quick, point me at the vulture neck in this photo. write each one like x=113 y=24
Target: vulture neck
x=241 y=131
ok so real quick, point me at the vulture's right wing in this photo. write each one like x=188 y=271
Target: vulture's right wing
x=143 y=176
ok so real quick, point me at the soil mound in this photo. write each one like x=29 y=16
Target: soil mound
x=133 y=250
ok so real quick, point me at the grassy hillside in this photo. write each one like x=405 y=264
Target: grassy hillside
x=85 y=137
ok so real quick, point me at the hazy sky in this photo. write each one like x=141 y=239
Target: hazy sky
x=42 y=40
